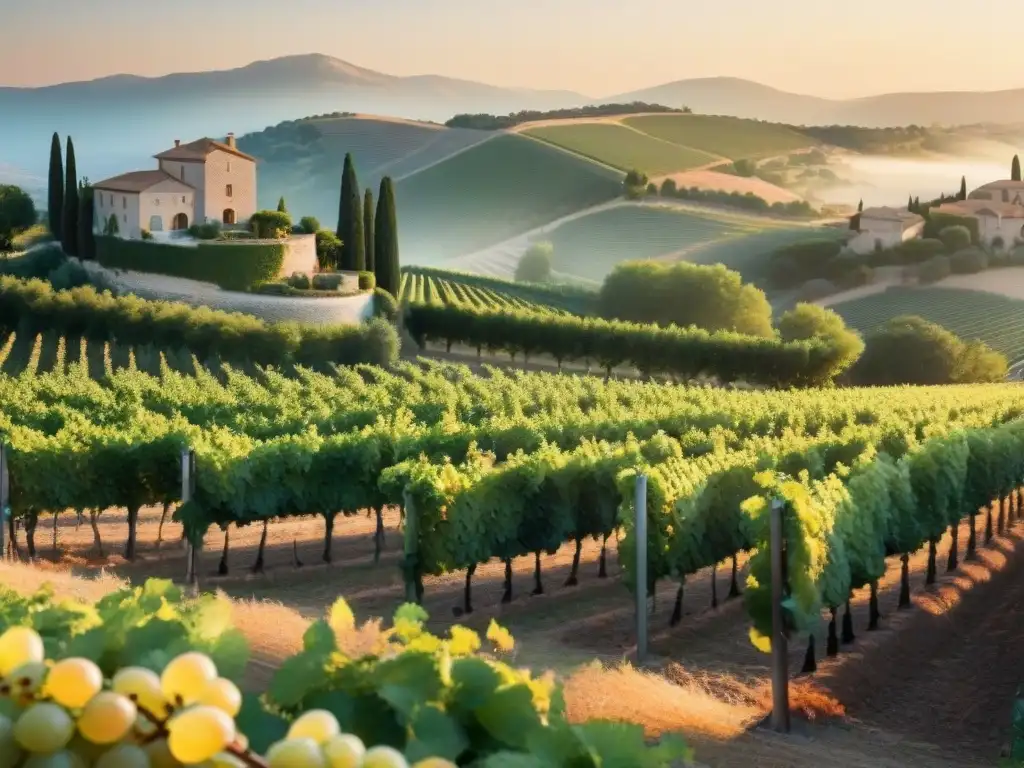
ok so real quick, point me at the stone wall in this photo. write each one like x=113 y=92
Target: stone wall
x=299 y=255
x=319 y=311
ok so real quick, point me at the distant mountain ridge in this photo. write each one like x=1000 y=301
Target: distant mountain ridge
x=118 y=121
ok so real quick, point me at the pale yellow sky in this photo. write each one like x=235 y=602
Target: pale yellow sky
x=598 y=47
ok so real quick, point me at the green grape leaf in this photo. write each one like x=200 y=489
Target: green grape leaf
x=474 y=681
x=155 y=634
x=155 y=592
x=91 y=644
x=319 y=639
x=408 y=680
x=509 y=716
x=262 y=728
x=410 y=612
x=367 y=716
x=296 y=678
x=230 y=652
x=212 y=617
x=435 y=734
x=514 y=760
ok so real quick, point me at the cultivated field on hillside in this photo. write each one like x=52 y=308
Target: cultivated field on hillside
x=727 y=182
x=492 y=192
x=622 y=147
x=748 y=252
x=491 y=293
x=591 y=246
x=726 y=136
x=994 y=319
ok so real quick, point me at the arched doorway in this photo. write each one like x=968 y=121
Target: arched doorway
x=229 y=216
x=156 y=223
x=180 y=221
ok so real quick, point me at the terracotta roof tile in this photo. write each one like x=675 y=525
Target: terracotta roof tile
x=137 y=181
x=199 y=149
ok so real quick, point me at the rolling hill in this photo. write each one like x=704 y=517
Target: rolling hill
x=621 y=147
x=724 y=136
x=493 y=191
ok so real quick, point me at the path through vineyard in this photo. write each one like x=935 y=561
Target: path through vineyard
x=930 y=682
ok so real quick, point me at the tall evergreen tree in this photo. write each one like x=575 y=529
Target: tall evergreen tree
x=1015 y=169
x=860 y=206
x=917 y=205
x=69 y=224
x=910 y=203
x=368 y=232
x=388 y=269
x=963 y=188
x=86 y=220
x=281 y=206
x=350 y=220
x=55 y=193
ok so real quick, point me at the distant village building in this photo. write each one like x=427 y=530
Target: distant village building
x=885 y=228
x=200 y=182
x=998 y=207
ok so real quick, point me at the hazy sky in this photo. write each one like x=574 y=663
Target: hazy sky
x=598 y=47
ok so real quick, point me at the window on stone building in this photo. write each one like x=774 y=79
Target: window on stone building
x=228 y=190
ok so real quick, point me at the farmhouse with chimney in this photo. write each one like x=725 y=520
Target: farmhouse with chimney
x=204 y=181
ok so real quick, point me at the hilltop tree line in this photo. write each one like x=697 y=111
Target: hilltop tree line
x=487 y=122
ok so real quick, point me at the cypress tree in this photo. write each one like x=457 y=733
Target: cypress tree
x=350 y=220
x=281 y=206
x=69 y=224
x=910 y=203
x=963 y=188
x=86 y=215
x=55 y=196
x=860 y=206
x=388 y=269
x=368 y=230
x=1015 y=169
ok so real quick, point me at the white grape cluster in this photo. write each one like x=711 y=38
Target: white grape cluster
x=65 y=715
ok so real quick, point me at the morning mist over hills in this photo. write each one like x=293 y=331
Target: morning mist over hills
x=125 y=118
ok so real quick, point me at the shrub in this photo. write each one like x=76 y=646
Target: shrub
x=112 y=228
x=309 y=225
x=916 y=251
x=384 y=305
x=367 y=281
x=911 y=350
x=327 y=281
x=1016 y=256
x=328 y=249
x=68 y=275
x=276 y=289
x=935 y=269
x=635 y=184
x=808 y=321
x=271 y=225
x=233 y=266
x=208 y=231
x=535 y=265
x=146 y=234
x=936 y=222
x=998 y=243
x=40 y=263
x=955 y=238
x=668 y=188
x=968 y=262
x=35 y=306
x=652 y=189
x=685 y=294
x=299 y=280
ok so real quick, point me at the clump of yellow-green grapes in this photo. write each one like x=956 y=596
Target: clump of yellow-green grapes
x=64 y=714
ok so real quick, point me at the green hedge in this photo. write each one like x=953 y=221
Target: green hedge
x=34 y=306
x=234 y=266
x=682 y=352
x=936 y=222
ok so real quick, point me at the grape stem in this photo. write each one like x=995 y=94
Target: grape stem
x=234 y=749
